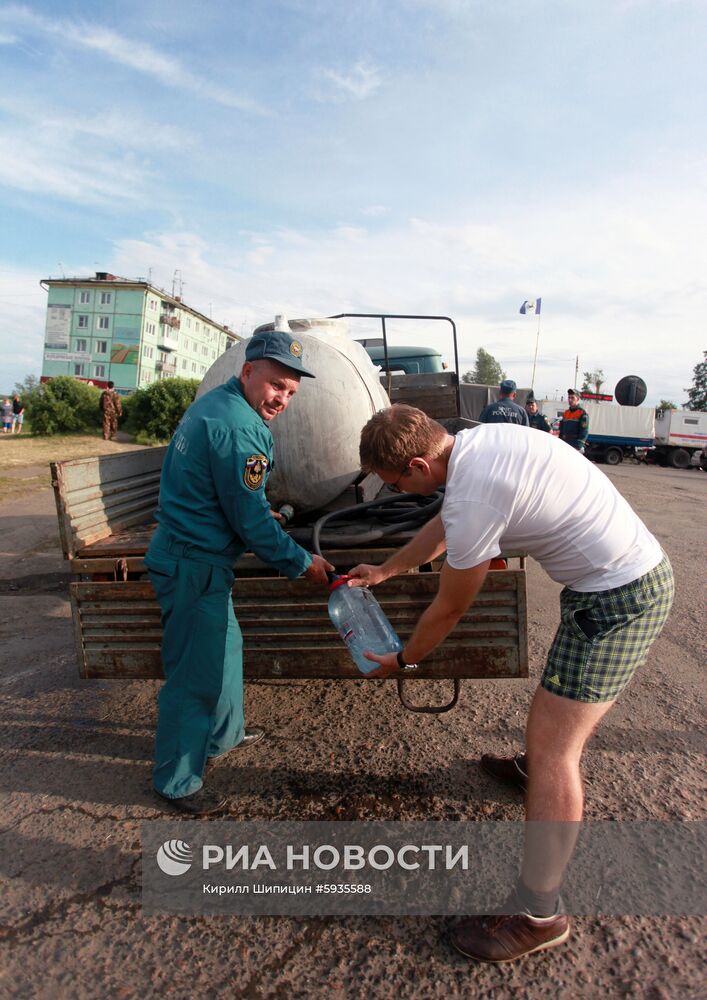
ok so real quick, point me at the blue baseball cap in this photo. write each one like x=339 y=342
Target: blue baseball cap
x=276 y=345
x=508 y=385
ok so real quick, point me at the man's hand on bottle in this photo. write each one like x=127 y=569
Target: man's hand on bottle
x=366 y=576
x=317 y=570
x=388 y=665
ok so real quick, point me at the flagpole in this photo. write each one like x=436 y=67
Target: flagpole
x=535 y=359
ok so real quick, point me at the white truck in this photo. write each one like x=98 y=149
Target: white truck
x=679 y=434
x=615 y=432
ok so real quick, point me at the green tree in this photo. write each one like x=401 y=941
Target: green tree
x=487 y=370
x=64 y=405
x=152 y=414
x=593 y=381
x=30 y=385
x=697 y=393
x=665 y=404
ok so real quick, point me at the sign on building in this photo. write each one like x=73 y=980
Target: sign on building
x=58 y=330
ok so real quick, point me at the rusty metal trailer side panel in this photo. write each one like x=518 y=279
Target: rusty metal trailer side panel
x=98 y=497
x=287 y=632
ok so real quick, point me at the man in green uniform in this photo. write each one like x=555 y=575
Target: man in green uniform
x=213 y=508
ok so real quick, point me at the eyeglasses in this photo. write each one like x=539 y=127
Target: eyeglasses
x=394 y=486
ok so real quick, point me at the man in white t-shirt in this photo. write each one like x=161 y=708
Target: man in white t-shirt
x=510 y=489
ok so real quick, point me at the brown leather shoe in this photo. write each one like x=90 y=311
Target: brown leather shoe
x=511 y=770
x=508 y=937
x=250 y=737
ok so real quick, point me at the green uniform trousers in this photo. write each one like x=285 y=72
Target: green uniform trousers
x=200 y=706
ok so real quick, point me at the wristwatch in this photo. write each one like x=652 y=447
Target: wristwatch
x=405 y=666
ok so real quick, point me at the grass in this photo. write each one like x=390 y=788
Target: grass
x=24 y=460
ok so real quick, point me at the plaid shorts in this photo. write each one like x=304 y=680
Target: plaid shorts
x=605 y=636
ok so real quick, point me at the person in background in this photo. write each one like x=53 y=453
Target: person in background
x=6 y=416
x=505 y=410
x=574 y=425
x=212 y=508
x=536 y=419
x=18 y=414
x=112 y=409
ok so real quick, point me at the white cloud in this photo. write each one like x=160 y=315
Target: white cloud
x=7 y=39
x=361 y=81
x=52 y=152
x=128 y=52
x=627 y=298
x=23 y=304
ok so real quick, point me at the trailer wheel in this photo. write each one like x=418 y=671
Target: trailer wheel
x=680 y=458
x=613 y=456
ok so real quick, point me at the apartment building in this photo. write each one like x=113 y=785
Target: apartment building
x=126 y=331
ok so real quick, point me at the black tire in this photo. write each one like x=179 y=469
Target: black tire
x=680 y=458
x=613 y=456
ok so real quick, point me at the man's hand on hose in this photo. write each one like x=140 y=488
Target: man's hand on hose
x=317 y=570
x=364 y=575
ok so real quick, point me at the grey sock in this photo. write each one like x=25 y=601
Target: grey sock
x=539 y=904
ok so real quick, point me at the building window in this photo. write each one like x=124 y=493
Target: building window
x=194 y=346
x=153 y=304
x=101 y=347
x=147 y=376
x=78 y=369
x=193 y=366
x=205 y=351
x=83 y=322
x=102 y=322
x=99 y=371
x=81 y=344
x=197 y=327
x=188 y=322
x=148 y=352
x=106 y=298
x=84 y=297
x=184 y=364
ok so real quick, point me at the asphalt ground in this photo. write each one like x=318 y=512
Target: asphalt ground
x=75 y=786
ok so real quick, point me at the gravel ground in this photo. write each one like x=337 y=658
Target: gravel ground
x=74 y=781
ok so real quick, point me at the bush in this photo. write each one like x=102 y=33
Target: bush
x=64 y=406
x=152 y=414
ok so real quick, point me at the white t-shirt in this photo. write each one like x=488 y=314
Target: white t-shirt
x=514 y=489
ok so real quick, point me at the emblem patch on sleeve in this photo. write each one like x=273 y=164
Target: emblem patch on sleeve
x=254 y=472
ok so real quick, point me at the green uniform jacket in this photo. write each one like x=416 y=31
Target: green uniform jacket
x=212 y=490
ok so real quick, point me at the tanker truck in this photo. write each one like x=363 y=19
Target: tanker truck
x=106 y=512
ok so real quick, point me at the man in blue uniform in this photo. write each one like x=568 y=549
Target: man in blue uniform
x=213 y=508
x=536 y=419
x=505 y=410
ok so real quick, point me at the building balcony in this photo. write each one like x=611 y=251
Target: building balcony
x=166 y=341
x=166 y=367
x=170 y=319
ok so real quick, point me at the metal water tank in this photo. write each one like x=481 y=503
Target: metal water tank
x=316 y=438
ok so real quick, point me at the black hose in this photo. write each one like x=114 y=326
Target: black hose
x=395 y=514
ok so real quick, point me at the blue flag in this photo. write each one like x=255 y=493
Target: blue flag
x=531 y=306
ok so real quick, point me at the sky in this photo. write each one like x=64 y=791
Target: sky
x=445 y=157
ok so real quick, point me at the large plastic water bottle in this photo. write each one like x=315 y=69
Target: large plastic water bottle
x=361 y=623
